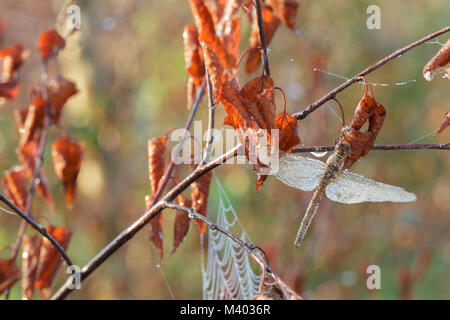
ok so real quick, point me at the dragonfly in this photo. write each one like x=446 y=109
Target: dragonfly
x=339 y=185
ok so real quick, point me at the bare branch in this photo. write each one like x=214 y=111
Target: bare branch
x=379 y=147
x=262 y=37
x=28 y=219
x=332 y=94
x=148 y=215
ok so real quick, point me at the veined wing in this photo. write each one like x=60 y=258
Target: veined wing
x=350 y=187
x=300 y=172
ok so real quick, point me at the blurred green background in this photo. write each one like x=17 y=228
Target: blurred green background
x=128 y=64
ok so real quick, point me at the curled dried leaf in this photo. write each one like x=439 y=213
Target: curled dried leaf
x=15 y=186
x=288 y=131
x=59 y=91
x=50 y=259
x=225 y=23
x=50 y=43
x=207 y=33
x=182 y=222
x=156 y=161
x=9 y=90
x=199 y=196
x=193 y=55
x=439 y=60
x=156 y=232
x=9 y=274
x=11 y=59
x=67 y=155
x=271 y=24
x=362 y=142
x=286 y=10
x=444 y=124
x=32 y=118
x=28 y=154
x=260 y=92
x=31 y=247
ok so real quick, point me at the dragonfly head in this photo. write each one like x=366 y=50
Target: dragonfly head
x=343 y=149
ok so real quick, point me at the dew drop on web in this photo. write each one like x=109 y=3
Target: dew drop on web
x=429 y=75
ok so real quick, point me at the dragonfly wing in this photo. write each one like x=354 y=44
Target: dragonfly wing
x=300 y=172
x=350 y=187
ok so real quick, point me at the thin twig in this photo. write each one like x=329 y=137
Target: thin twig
x=165 y=179
x=262 y=37
x=148 y=215
x=37 y=163
x=330 y=95
x=248 y=248
x=37 y=227
x=378 y=147
x=211 y=108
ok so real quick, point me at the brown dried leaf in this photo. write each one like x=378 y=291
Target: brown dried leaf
x=67 y=155
x=11 y=59
x=15 y=186
x=271 y=24
x=50 y=259
x=439 y=60
x=207 y=34
x=156 y=232
x=32 y=118
x=288 y=131
x=260 y=92
x=182 y=222
x=9 y=274
x=9 y=90
x=444 y=124
x=31 y=248
x=28 y=154
x=156 y=161
x=59 y=91
x=362 y=142
x=49 y=43
x=193 y=55
x=286 y=10
x=199 y=196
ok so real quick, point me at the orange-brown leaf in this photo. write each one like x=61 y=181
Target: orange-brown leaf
x=27 y=155
x=182 y=222
x=50 y=259
x=444 y=124
x=49 y=43
x=15 y=186
x=271 y=24
x=9 y=90
x=193 y=55
x=439 y=60
x=286 y=10
x=199 y=196
x=260 y=92
x=9 y=274
x=156 y=161
x=156 y=232
x=59 y=91
x=67 y=155
x=32 y=118
x=207 y=33
x=10 y=60
x=288 y=131
x=31 y=248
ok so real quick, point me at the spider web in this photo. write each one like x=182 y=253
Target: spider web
x=227 y=273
